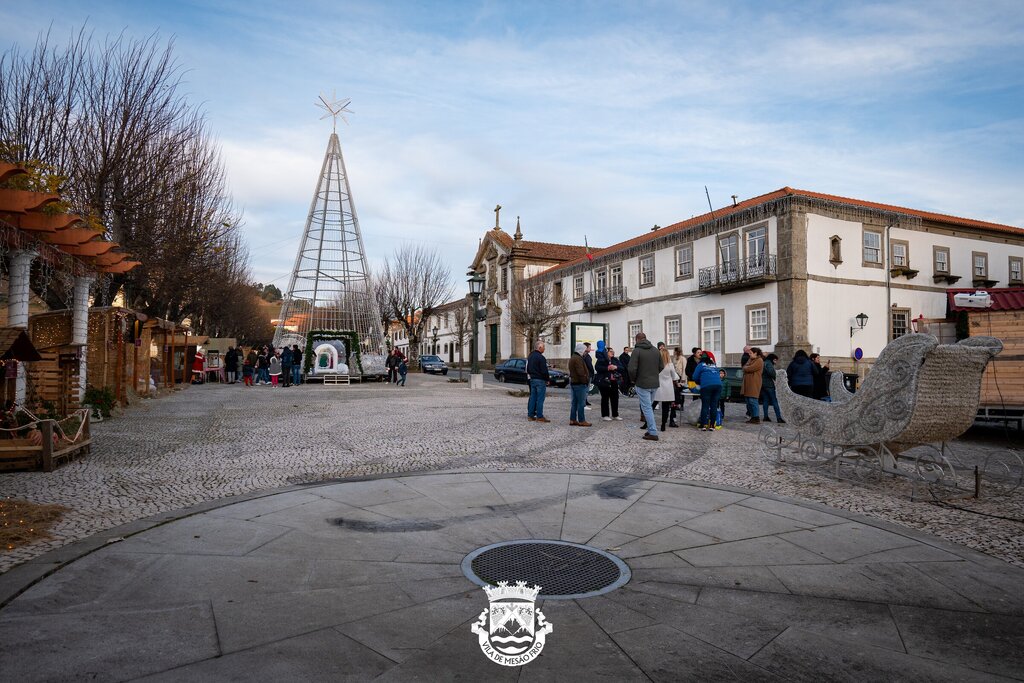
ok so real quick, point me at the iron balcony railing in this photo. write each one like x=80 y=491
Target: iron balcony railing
x=738 y=273
x=604 y=298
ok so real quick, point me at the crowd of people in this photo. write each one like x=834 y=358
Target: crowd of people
x=658 y=378
x=266 y=365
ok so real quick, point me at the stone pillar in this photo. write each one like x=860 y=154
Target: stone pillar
x=80 y=327
x=792 y=282
x=17 y=304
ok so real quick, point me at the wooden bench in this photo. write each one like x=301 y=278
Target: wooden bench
x=336 y=379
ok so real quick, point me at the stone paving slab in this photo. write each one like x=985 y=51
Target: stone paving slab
x=201 y=445
x=295 y=595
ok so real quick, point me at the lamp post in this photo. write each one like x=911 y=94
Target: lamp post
x=434 y=330
x=476 y=285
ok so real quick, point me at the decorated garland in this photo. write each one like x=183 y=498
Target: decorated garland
x=350 y=338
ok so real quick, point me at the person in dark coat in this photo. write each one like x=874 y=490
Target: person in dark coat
x=821 y=377
x=692 y=361
x=263 y=366
x=392 y=363
x=296 y=364
x=606 y=377
x=800 y=373
x=768 y=397
x=644 y=367
x=286 y=366
x=231 y=364
x=538 y=376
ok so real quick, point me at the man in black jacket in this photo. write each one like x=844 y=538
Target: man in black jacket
x=538 y=376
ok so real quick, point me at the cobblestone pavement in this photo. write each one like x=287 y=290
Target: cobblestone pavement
x=214 y=441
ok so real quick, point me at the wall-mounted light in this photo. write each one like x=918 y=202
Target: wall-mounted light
x=862 y=320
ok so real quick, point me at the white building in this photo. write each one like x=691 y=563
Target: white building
x=787 y=270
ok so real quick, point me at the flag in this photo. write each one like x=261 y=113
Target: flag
x=590 y=257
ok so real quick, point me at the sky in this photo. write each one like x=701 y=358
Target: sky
x=591 y=120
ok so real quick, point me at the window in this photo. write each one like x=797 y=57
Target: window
x=900 y=322
x=1016 y=270
x=940 y=258
x=729 y=252
x=615 y=275
x=647 y=270
x=504 y=279
x=899 y=253
x=577 y=287
x=684 y=261
x=835 y=250
x=758 y=324
x=673 y=331
x=980 y=261
x=602 y=279
x=557 y=291
x=446 y=321
x=556 y=335
x=872 y=248
x=633 y=328
x=756 y=240
x=711 y=333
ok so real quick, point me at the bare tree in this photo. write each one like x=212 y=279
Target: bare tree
x=462 y=328
x=134 y=156
x=536 y=311
x=412 y=284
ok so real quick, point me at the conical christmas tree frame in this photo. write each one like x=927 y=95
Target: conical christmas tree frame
x=330 y=287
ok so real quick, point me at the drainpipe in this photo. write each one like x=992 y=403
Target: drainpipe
x=80 y=328
x=888 y=286
x=17 y=305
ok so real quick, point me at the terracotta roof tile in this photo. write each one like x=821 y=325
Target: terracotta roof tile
x=1003 y=299
x=778 y=194
x=554 y=252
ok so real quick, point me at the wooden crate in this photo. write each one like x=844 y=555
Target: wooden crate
x=20 y=454
x=1003 y=381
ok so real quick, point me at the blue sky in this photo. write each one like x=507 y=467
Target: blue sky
x=586 y=118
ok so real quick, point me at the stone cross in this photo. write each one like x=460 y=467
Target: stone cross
x=497 y=215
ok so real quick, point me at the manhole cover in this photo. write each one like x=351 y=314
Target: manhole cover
x=563 y=570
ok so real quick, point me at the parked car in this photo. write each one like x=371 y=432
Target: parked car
x=514 y=370
x=434 y=365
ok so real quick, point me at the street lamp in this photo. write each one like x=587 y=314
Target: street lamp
x=434 y=330
x=476 y=286
x=862 y=320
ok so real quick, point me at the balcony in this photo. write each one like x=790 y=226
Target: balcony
x=605 y=299
x=738 y=274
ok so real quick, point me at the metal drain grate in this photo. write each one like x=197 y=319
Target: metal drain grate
x=563 y=570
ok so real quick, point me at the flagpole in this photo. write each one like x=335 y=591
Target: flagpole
x=590 y=257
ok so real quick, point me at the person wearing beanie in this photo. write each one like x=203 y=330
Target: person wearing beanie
x=579 y=381
x=645 y=365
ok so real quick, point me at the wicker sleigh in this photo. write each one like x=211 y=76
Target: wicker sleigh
x=918 y=394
